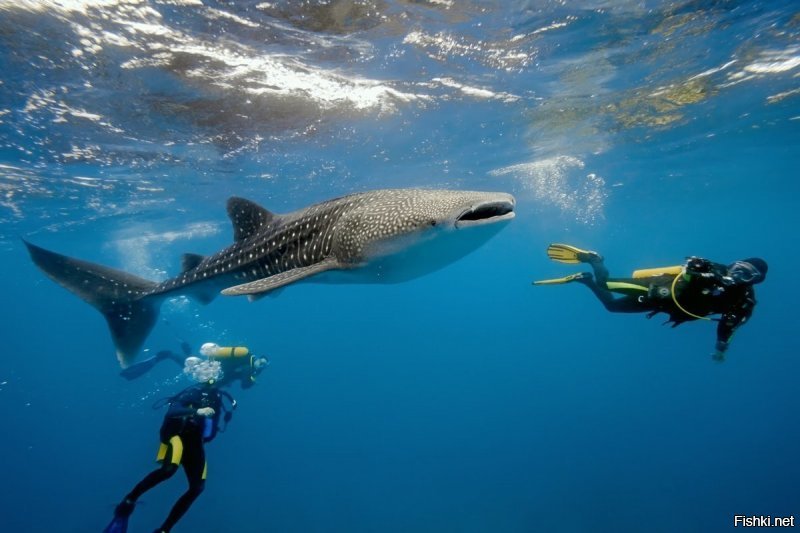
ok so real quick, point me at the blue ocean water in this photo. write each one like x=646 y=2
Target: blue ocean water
x=463 y=401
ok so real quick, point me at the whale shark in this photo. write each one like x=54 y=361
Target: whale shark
x=379 y=236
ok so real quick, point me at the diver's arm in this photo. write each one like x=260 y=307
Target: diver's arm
x=730 y=322
x=187 y=411
x=177 y=358
x=183 y=410
x=184 y=405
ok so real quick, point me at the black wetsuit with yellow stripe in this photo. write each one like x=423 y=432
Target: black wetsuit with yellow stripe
x=690 y=295
x=183 y=434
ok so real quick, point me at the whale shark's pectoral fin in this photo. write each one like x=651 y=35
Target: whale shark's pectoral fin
x=281 y=280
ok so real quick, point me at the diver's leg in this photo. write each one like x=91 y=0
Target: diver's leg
x=167 y=354
x=170 y=455
x=599 y=286
x=596 y=261
x=151 y=480
x=194 y=464
x=624 y=304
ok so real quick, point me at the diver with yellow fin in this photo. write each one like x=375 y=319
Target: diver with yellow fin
x=687 y=292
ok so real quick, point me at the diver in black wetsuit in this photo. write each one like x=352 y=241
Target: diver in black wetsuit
x=688 y=292
x=192 y=420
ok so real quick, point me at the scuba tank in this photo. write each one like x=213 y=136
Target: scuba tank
x=659 y=271
x=211 y=349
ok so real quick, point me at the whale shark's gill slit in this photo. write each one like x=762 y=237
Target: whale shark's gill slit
x=487 y=211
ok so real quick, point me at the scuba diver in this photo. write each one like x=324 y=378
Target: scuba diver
x=687 y=292
x=237 y=363
x=193 y=418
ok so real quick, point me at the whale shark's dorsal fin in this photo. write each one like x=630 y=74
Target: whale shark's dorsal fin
x=190 y=261
x=247 y=217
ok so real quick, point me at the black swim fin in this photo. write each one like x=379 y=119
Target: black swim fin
x=140 y=368
x=118 y=525
x=123 y=511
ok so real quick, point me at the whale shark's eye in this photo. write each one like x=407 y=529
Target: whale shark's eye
x=433 y=222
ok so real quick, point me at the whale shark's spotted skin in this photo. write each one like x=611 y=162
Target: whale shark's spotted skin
x=271 y=251
x=337 y=230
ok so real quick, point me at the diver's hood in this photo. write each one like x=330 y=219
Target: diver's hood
x=748 y=271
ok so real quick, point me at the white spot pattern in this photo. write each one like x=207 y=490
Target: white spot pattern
x=340 y=229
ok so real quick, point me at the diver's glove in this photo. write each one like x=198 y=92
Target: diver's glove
x=206 y=411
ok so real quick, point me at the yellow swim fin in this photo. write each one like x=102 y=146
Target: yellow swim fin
x=564 y=253
x=566 y=279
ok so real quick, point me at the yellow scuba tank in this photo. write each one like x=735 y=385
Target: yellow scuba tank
x=676 y=271
x=211 y=349
x=658 y=271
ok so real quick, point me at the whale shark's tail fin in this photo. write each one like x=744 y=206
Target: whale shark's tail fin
x=119 y=296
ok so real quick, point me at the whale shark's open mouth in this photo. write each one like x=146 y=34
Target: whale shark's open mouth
x=486 y=213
